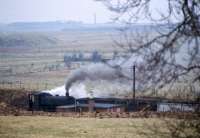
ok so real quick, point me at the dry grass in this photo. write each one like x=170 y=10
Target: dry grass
x=30 y=65
x=64 y=127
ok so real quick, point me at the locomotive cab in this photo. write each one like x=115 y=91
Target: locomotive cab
x=46 y=102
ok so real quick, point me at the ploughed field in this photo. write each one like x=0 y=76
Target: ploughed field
x=67 y=127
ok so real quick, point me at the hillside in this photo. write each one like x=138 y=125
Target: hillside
x=26 y=39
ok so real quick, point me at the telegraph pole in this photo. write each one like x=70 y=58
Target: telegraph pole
x=95 y=18
x=133 y=82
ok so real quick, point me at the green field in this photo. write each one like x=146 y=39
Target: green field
x=64 y=127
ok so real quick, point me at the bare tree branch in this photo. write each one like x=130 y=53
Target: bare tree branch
x=170 y=51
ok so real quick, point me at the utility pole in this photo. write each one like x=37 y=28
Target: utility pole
x=133 y=82
x=95 y=18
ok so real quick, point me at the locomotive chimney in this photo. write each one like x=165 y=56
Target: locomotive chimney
x=67 y=93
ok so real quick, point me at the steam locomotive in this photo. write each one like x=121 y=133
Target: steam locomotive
x=47 y=102
x=41 y=101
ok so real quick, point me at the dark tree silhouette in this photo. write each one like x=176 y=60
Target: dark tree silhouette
x=170 y=50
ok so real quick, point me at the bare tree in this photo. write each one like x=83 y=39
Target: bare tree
x=169 y=54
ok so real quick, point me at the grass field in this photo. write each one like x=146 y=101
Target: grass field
x=35 y=60
x=30 y=62
x=64 y=127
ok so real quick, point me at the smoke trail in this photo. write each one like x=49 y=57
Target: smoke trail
x=98 y=88
x=94 y=72
x=108 y=89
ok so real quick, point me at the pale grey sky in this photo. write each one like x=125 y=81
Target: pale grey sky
x=58 y=10
x=52 y=10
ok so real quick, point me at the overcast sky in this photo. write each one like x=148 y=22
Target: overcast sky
x=58 y=10
x=52 y=10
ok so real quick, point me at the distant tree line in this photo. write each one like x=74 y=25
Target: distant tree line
x=80 y=57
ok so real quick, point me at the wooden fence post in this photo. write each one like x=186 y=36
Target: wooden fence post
x=3 y=84
x=11 y=85
x=37 y=86
x=46 y=85
x=20 y=84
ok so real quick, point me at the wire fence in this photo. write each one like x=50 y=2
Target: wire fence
x=35 y=86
